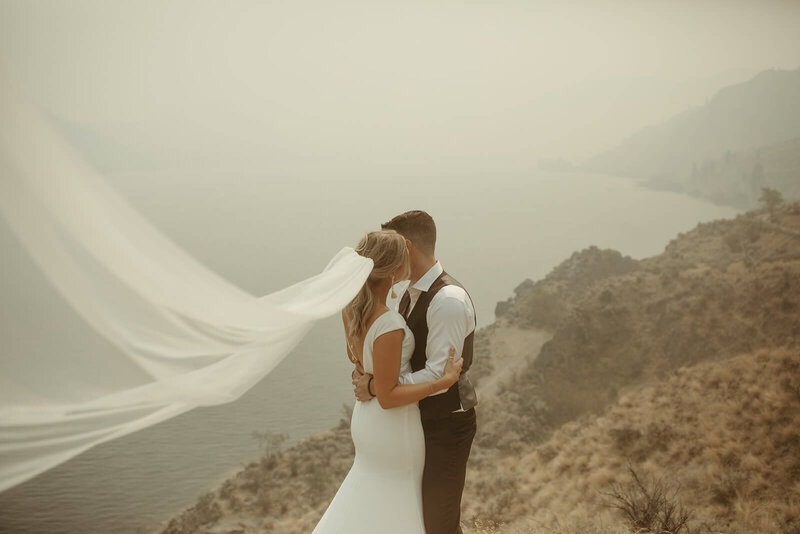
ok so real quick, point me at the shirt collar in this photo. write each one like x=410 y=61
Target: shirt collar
x=426 y=280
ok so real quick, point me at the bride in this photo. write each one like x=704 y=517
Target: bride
x=383 y=490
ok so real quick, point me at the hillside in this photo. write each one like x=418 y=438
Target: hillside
x=685 y=364
x=744 y=138
x=723 y=437
x=736 y=179
x=725 y=288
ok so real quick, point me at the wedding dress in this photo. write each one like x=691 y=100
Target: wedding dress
x=383 y=490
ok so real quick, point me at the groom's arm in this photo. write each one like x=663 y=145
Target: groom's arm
x=450 y=319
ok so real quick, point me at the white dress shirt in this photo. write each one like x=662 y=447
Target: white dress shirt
x=451 y=318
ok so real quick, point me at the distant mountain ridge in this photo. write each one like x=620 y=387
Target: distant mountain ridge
x=743 y=127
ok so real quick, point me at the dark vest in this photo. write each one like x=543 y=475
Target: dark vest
x=462 y=393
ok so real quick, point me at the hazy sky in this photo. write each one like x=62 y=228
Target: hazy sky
x=334 y=87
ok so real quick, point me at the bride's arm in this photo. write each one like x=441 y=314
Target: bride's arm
x=386 y=366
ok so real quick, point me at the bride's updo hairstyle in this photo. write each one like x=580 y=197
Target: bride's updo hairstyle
x=388 y=252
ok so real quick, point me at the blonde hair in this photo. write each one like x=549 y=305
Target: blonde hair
x=388 y=252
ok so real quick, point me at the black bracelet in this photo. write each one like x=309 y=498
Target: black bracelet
x=369 y=383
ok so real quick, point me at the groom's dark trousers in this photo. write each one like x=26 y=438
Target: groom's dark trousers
x=448 y=422
x=447 y=444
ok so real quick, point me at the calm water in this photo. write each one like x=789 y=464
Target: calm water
x=264 y=234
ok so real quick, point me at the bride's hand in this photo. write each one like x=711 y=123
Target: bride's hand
x=452 y=369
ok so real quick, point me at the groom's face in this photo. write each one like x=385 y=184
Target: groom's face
x=412 y=250
x=415 y=258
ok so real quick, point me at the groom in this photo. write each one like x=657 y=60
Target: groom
x=439 y=312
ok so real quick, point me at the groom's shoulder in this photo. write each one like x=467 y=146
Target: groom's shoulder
x=451 y=286
x=452 y=289
x=446 y=280
x=452 y=302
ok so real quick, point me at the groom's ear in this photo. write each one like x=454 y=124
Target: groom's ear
x=409 y=244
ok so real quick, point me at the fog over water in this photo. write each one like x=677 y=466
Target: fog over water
x=264 y=136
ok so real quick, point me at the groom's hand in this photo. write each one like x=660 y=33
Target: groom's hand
x=358 y=372
x=361 y=383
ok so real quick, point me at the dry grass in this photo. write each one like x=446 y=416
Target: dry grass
x=284 y=492
x=726 y=433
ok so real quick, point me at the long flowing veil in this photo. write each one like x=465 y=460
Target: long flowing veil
x=188 y=336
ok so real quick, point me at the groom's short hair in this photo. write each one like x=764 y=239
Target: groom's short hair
x=416 y=226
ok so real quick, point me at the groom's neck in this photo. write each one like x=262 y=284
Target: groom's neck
x=420 y=266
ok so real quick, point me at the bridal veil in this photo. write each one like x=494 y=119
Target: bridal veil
x=179 y=336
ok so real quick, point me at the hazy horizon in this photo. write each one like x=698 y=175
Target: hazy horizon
x=361 y=88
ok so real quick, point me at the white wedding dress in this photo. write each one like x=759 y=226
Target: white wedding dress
x=383 y=490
